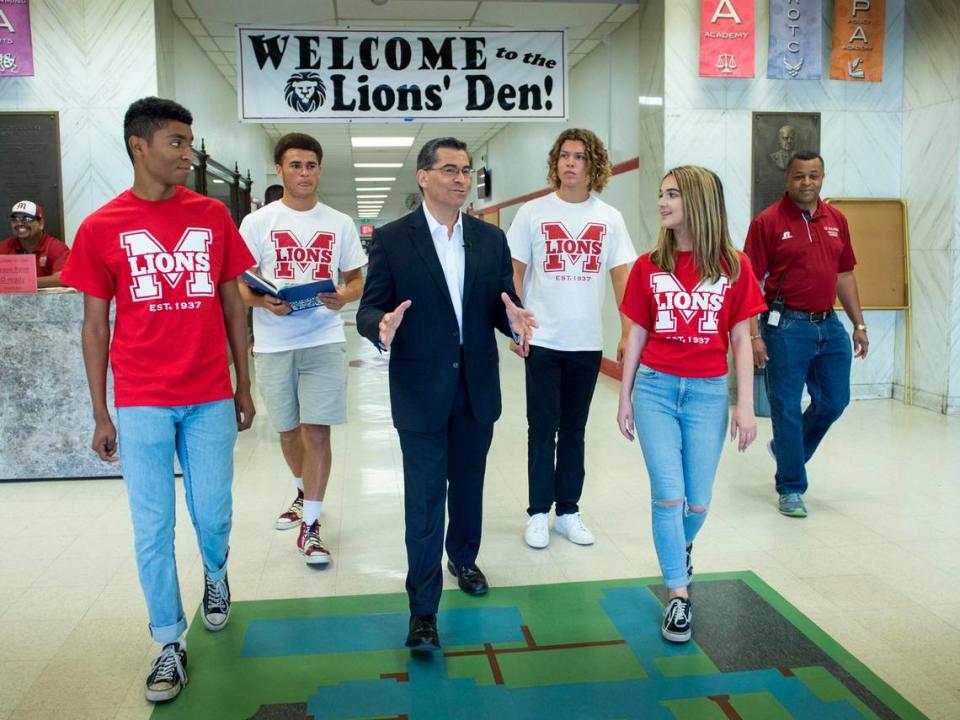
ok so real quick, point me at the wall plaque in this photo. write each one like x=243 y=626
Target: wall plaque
x=30 y=148
x=776 y=136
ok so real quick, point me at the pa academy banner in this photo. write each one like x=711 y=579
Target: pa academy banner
x=297 y=74
x=727 y=38
x=16 y=45
x=858 y=29
x=796 y=47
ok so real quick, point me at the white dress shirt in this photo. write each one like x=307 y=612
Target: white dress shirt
x=450 y=251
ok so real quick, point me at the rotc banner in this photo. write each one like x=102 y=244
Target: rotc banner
x=16 y=43
x=795 y=47
x=310 y=74
x=727 y=42
x=858 y=28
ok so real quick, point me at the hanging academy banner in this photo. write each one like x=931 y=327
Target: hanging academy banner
x=858 y=30
x=16 y=43
x=309 y=74
x=727 y=41
x=795 y=47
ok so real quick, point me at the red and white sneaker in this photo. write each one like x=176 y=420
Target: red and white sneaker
x=311 y=545
x=293 y=515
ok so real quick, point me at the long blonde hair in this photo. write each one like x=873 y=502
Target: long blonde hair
x=705 y=215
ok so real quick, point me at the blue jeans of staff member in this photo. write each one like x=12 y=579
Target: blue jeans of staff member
x=815 y=354
x=681 y=424
x=203 y=437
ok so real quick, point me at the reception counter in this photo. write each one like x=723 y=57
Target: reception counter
x=46 y=424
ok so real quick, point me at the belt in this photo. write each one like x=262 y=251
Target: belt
x=813 y=317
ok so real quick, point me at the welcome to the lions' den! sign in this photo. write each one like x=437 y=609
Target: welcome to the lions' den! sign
x=297 y=74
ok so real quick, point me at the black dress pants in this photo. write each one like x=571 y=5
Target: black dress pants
x=448 y=463
x=560 y=386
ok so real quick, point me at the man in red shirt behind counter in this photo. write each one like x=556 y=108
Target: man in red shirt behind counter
x=27 y=236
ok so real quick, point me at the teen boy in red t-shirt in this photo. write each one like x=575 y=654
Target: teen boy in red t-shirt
x=168 y=258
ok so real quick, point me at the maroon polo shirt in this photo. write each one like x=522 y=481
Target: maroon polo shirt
x=799 y=257
x=51 y=254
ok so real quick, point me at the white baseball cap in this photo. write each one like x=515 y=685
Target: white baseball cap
x=27 y=207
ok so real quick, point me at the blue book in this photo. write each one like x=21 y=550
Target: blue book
x=300 y=297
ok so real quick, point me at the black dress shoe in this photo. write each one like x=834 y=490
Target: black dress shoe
x=423 y=635
x=470 y=578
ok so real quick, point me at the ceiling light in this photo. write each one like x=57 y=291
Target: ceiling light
x=651 y=100
x=371 y=197
x=374 y=179
x=381 y=142
x=378 y=165
x=373 y=189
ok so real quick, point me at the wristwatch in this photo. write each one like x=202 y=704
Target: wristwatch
x=860 y=326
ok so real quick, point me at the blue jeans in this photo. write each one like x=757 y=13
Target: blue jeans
x=681 y=423
x=817 y=354
x=203 y=437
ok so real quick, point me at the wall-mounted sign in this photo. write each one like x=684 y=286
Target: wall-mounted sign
x=727 y=38
x=796 y=40
x=308 y=74
x=16 y=43
x=858 y=31
x=366 y=229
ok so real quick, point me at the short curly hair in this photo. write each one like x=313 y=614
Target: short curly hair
x=598 y=162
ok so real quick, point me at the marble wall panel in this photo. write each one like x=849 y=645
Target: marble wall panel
x=931 y=53
x=871 y=159
x=876 y=371
x=930 y=145
x=931 y=283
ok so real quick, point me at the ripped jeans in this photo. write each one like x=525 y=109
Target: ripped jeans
x=681 y=423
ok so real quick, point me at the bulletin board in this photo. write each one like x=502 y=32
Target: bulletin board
x=878 y=231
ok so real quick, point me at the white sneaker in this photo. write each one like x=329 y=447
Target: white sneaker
x=572 y=528
x=538 y=531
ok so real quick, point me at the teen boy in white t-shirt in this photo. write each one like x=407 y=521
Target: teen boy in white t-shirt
x=301 y=357
x=562 y=245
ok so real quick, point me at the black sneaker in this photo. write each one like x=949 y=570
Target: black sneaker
x=677 y=619
x=689 y=563
x=215 y=610
x=168 y=674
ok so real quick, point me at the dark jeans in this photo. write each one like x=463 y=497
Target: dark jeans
x=560 y=386
x=817 y=354
x=448 y=463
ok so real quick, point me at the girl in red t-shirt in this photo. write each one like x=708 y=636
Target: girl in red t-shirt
x=688 y=300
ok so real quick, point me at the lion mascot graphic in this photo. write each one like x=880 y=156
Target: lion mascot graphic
x=305 y=91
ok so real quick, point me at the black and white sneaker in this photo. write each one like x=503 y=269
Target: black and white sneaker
x=215 y=610
x=677 y=619
x=168 y=674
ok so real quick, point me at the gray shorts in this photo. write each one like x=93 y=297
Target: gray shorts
x=307 y=385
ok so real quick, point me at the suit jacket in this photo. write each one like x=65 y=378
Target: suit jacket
x=425 y=353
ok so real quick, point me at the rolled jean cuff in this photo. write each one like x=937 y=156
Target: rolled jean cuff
x=169 y=633
x=674 y=583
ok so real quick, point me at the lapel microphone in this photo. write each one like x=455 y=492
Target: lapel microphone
x=467 y=244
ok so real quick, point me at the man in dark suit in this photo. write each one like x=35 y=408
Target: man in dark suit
x=438 y=284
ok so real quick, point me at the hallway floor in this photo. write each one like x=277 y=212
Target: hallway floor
x=876 y=565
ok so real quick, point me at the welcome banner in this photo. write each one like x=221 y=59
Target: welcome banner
x=727 y=41
x=858 y=31
x=310 y=74
x=796 y=45
x=16 y=44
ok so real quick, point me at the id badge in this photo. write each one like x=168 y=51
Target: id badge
x=773 y=318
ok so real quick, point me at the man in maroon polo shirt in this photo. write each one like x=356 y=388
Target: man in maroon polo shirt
x=27 y=237
x=801 y=252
